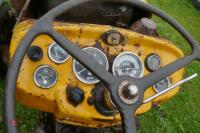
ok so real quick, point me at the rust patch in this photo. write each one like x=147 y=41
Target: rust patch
x=98 y=45
x=122 y=50
x=111 y=59
x=137 y=45
x=80 y=32
x=102 y=120
x=139 y=53
x=171 y=80
x=90 y=101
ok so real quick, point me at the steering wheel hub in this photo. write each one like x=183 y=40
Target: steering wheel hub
x=128 y=92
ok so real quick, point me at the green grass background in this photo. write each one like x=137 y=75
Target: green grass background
x=179 y=115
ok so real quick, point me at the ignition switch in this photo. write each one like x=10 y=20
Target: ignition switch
x=113 y=38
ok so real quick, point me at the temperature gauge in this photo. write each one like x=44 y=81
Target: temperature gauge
x=57 y=54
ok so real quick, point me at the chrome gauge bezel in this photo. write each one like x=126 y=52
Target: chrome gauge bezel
x=137 y=58
x=169 y=83
x=83 y=80
x=39 y=85
x=50 y=55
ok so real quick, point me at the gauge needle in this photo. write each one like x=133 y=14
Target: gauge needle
x=154 y=63
x=95 y=55
x=127 y=68
x=81 y=71
x=44 y=80
x=56 y=52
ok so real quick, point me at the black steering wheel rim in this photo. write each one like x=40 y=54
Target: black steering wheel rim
x=44 y=26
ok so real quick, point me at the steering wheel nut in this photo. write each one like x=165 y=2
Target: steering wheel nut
x=128 y=92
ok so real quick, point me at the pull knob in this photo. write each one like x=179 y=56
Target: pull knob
x=35 y=53
x=75 y=96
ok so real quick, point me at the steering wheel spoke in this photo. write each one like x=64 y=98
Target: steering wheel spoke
x=128 y=121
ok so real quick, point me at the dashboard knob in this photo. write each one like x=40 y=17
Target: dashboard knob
x=35 y=53
x=75 y=96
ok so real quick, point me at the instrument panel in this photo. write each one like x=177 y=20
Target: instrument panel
x=47 y=82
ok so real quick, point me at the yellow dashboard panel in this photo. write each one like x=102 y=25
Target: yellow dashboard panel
x=55 y=99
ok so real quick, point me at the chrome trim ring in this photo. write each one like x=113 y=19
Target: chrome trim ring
x=39 y=85
x=54 y=60
x=83 y=80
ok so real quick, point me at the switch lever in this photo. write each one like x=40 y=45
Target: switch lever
x=170 y=88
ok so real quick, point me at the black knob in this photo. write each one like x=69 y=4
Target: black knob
x=75 y=95
x=35 y=53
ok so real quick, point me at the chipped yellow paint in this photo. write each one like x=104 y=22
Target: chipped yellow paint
x=54 y=100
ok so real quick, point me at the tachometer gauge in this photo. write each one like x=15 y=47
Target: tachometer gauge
x=162 y=85
x=128 y=63
x=45 y=77
x=57 y=54
x=153 y=62
x=82 y=73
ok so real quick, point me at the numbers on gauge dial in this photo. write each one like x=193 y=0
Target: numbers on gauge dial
x=129 y=64
x=82 y=73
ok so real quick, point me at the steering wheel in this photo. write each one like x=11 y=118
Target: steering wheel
x=126 y=92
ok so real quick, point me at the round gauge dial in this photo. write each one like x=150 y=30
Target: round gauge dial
x=82 y=73
x=128 y=63
x=162 y=85
x=45 y=77
x=153 y=62
x=57 y=54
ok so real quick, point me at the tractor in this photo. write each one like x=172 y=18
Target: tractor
x=88 y=65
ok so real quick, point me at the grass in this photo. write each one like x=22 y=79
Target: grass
x=182 y=113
